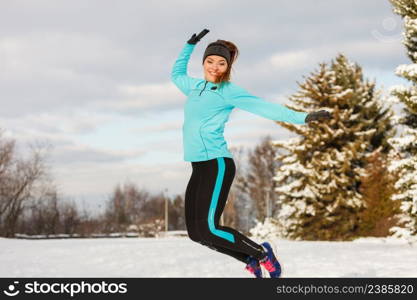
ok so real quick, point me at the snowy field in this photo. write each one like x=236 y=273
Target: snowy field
x=180 y=257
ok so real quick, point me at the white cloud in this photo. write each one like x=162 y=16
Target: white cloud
x=160 y=127
x=291 y=59
x=92 y=179
x=147 y=96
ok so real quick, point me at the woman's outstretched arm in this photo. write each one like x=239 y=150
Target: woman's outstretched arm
x=240 y=98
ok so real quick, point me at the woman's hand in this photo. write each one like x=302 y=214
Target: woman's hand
x=318 y=116
x=196 y=38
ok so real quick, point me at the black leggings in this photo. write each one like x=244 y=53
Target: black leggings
x=205 y=199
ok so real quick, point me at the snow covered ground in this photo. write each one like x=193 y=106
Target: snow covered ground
x=180 y=257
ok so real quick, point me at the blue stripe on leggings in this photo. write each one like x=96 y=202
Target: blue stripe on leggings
x=214 y=200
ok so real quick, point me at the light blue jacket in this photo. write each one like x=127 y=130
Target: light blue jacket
x=208 y=107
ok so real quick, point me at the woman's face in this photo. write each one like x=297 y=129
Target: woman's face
x=214 y=67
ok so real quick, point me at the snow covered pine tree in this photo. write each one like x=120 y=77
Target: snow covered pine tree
x=319 y=179
x=406 y=144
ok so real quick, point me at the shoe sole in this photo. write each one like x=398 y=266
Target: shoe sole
x=275 y=250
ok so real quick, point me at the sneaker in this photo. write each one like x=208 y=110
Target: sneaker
x=254 y=267
x=270 y=262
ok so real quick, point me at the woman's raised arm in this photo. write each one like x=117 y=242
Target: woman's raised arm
x=179 y=74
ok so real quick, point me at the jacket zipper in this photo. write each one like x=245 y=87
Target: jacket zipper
x=203 y=87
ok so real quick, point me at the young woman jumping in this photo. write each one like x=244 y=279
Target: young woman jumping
x=209 y=104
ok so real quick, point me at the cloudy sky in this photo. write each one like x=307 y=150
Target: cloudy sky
x=92 y=77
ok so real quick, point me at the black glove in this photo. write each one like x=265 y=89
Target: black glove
x=318 y=116
x=196 y=38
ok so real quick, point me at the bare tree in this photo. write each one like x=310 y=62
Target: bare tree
x=69 y=218
x=242 y=214
x=258 y=181
x=125 y=207
x=18 y=178
x=176 y=214
x=41 y=215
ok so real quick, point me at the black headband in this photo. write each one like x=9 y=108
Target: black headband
x=218 y=49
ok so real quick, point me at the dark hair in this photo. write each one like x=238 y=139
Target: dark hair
x=234 y=53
